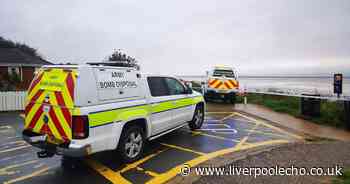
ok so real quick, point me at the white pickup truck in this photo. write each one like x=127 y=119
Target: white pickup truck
x=77 y=110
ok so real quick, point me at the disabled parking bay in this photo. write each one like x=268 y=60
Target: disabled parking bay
x=222 y=133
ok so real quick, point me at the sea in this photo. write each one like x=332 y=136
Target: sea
x=286 y=84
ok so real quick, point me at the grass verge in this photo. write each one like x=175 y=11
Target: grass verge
x=332 y=113
x=344 y=179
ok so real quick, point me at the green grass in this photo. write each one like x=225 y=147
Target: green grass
x=344 y=179
x=332 y=113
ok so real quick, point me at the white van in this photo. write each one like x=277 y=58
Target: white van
x=77 y=110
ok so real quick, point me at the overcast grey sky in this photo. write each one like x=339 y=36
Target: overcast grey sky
x=187 y=37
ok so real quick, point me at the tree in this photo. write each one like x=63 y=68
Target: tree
x=125 y=60
x=4 y=43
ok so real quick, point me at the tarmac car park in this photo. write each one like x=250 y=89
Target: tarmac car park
x=224 y=131
x=123 y=127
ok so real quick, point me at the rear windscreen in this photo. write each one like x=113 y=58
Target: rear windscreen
x=225 y=73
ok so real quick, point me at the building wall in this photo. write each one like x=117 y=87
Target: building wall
x=3 y=71
x=27 y=76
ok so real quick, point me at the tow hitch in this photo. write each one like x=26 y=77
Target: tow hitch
x=45 y=154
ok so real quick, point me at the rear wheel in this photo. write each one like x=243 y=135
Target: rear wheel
x=198 y=118
x=131 y=144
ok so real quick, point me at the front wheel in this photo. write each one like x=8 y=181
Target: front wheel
x=198 y=118
x=131 y=144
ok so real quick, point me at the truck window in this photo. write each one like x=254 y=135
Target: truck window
x=157 y=86
x=226 y=73
x=175 y=87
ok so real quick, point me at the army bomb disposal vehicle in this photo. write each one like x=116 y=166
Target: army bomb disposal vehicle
x=222 y=82
x=77 y=110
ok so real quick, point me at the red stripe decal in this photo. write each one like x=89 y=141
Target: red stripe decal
x=34 y=98
x=70 y=85
x=233 y=83
x=36 y=117
x=218 y=85
x=35 y=82
x=57 y=123
x=212 y=82
x=64 y=110
x=229 y=87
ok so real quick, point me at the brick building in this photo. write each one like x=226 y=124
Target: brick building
x=16 y=62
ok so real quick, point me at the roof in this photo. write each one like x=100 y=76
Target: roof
x=16 y=57
x=223 y=67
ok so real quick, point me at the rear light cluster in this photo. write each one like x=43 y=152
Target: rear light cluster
x=80 y=127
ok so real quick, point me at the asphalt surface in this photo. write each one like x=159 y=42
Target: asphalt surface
x=320 y=154
x=224 y=131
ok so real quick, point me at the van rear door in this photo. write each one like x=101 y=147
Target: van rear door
x=50 y=102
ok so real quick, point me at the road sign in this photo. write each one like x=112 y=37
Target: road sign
x=338 y=83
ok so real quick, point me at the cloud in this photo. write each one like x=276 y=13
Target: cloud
x=187 y=37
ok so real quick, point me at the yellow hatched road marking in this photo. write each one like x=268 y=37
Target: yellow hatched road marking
x=182 y=148
x=229 y=116
x=36 y=173
x=219 y=112
x=114 y=177
x=138 y=162
x=14 y=149
x=214 y=136
x=266 y=133
x=244 y=140
x=270 y=126
x=162 y=178
x=4 y=171
x=151 y=173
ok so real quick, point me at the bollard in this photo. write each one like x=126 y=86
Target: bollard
x=245 y=100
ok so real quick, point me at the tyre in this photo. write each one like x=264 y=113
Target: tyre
x=198 y=118
x=131 y=144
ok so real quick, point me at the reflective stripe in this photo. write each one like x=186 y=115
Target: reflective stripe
x=221 y=84
x=53 y=88
x=126 y=113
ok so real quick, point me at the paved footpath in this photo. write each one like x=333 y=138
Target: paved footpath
x=293 y=123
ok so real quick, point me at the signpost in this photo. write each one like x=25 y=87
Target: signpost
x=338 y=84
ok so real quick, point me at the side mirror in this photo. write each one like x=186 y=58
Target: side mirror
x=188 y=89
